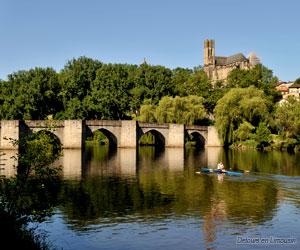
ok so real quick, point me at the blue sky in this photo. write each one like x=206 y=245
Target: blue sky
x=40 y=33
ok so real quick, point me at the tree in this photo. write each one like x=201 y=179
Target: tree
x=30 y=195
x=262 y=134
x=185 y=110
x=297 y=81
x=179 y=78
x=30 y=95
x=259 y=76
x=147 y=112
x=239 y=105
x=110 y=92
x=287 y=116
x=150 y=82
x=244 y=131
x=198 y=83
x=76 y=79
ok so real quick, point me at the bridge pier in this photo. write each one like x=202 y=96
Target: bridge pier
x=74 y=134
x=128 y=138
x=212 y=137
x=9 y=130
x=176 y=136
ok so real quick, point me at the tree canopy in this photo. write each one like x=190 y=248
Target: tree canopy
x=186 y=110
x=287 y=116
x=239 y=105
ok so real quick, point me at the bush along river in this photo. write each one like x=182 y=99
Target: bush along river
x=154 y=198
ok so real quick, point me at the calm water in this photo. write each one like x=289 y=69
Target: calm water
x=155 y=199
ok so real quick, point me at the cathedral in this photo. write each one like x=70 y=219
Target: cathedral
x=218 y=67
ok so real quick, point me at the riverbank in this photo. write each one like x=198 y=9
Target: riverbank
x=275 y=147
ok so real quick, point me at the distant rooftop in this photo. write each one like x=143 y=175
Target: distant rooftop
x=296 y=85
x=235 y=58
x=222 y=60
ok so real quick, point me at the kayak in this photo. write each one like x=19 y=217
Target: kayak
x=220 y=171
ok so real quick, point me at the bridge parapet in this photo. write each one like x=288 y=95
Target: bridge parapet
x=153 y=125
x=196 y=127
x=103 y=123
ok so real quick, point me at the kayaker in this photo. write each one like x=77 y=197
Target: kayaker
x=221 y=166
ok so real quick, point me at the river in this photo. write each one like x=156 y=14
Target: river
x=154 y=198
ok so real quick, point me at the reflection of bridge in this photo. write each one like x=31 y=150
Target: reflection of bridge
x=127 y=162
x=72 y=133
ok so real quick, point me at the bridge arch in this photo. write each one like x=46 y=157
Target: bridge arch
x=160 y=139
x=197 y=138
x=55 y=140
x=113 y=141
x=37 y=131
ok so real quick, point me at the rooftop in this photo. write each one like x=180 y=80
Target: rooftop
x=235 y=58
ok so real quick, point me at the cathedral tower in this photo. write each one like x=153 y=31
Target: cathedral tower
x=209 y=52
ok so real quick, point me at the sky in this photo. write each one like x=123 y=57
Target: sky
x=171 y=33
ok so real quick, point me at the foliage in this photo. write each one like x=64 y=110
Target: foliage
x=287 y=117
x=30 y=95
x=297 y=81
x=76 y=79
x=198 y=83
x=147 y=139
x=259 y=76
x=244 y=131
x=110 y=92
x=150 y=82
x=179 y=78
x=262 y=134
x=213 y=97
x=147 y=112
x=32 y=193
x=239 y=105
x=98 y=137
x=186 y=110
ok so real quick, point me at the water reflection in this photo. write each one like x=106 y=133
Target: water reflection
x=154 y=195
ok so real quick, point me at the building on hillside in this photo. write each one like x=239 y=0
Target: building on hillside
x=294 y=90
x=283 y=87
x=218 y=67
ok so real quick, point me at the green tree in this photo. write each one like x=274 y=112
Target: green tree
x=244 y=131
x=110 y=92
x=30 y=95
x=236 y=107
x=297 y=81
x=185 y=110
x=213 y=97
x=287 y=117
x=150 y=82
x=147 y=112
x=32 y=194
x=198 y=83
x=259 y=76
x=76 y=79
x=179 y=79
x=262 y=134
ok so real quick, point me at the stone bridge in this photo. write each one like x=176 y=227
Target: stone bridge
x=73 y=133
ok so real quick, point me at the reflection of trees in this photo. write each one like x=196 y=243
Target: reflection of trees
x=158 y=191
x=253 y=201
x=92 y=198
x=99 y=153
x=275 y=162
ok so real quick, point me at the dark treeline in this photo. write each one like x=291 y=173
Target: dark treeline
x=244 y=108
